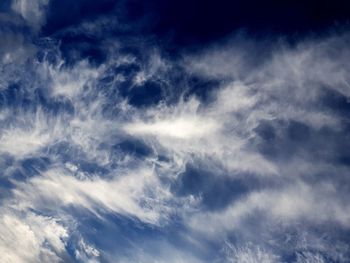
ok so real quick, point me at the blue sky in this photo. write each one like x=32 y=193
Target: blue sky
x=174 y=131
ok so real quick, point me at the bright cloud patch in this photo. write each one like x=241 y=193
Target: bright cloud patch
x=181 y=128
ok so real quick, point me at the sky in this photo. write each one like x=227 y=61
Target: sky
x=174 y=131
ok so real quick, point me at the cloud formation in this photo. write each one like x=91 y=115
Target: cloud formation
x=237 y=152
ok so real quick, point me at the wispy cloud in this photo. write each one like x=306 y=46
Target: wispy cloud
x=273 y=125
x=33 y=11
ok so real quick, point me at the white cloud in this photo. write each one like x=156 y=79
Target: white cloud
x=137 y=195
x=160 y=251
x=248 y=254
x=29 y=133
x=179 y=128
x=86 y=252
x=14 y=48
x=31 y=238
x=309 y=257
x=317 y=204
x=33 y=11
x=286 y=86
x=70 y=82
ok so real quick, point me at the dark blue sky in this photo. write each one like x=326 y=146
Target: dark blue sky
x=175 y=25
x=174 y=131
